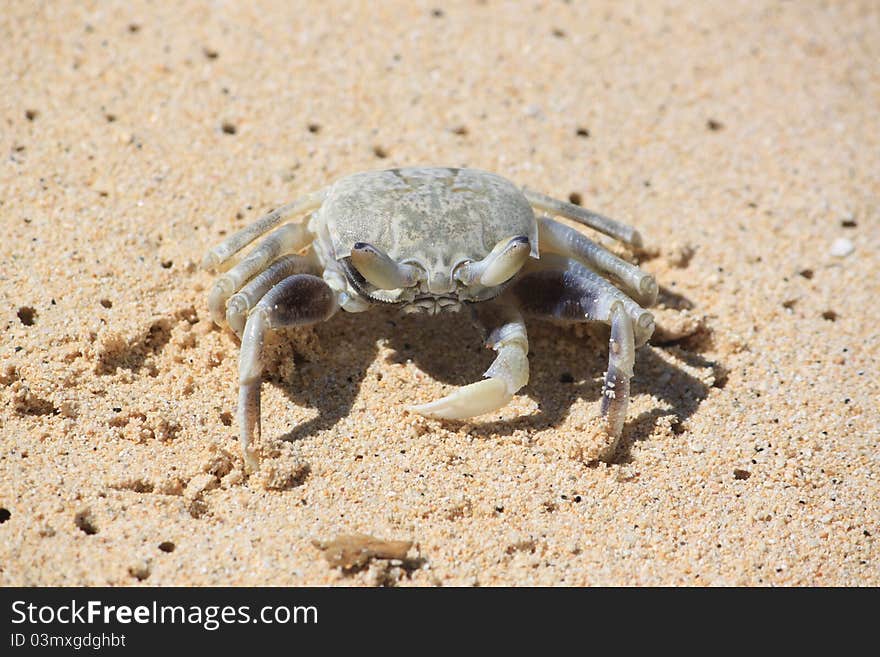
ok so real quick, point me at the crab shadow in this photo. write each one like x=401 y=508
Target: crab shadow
x=330 y=383
x=563 y=369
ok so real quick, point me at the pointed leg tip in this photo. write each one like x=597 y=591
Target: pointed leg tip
x=210 y=261
x=608 y=451
x=251 y=462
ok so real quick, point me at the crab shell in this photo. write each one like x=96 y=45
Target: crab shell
x=434 y=218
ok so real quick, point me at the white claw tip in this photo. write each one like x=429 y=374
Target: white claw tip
x=470 y=401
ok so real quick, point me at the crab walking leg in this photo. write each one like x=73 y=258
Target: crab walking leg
x=610 y=227
x=298 y=300
x=508 y=373
x=583 y=279
x=559 y=238
x=286 y=239
x=569 y=295
x=241 y=302
x=615 y=392
x=235 y=243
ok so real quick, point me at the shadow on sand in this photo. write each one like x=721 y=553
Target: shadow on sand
x=563 y=369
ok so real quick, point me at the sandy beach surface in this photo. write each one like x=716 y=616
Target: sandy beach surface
x=741 y=138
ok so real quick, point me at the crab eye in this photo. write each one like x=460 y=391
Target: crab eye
x=380 y=270
x=500 y=265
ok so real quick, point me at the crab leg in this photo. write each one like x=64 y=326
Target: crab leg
x=298 y=300
x=559 y=238
x=583 y=280
x=235 y=243
x=610 y=227
x=288 y=238
x=246 y=298
x=571 y=295
x=615 y=392
x=508 y=373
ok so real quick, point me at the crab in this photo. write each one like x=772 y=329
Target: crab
x=434 y=240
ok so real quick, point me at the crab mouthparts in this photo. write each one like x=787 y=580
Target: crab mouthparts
x=431 y=305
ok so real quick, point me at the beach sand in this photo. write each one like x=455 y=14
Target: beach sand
x=742 y=139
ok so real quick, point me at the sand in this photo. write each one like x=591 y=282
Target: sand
x=743 y=139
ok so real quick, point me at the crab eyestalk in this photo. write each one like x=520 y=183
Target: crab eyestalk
x=500 y=265
x=380 y=270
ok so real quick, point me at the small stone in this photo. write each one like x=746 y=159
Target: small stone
x=140 y=570
x=842 y=247
x=199 y=484
x=352 y=551
x=679 y=255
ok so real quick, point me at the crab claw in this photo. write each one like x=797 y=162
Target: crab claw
x=475 y=399
x=500 y=265
x=381 y=270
